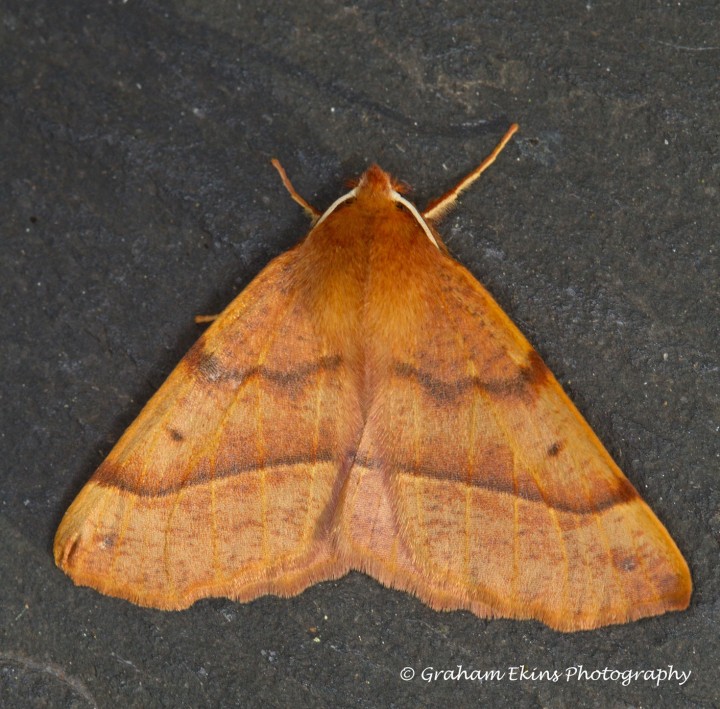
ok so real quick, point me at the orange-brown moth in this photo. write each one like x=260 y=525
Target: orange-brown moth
x=365 y=404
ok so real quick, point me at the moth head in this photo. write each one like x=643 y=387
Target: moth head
x=375 y=181
x=376 y=190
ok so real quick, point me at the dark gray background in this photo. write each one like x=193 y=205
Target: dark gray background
x=137 y=192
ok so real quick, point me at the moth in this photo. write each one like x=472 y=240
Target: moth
x=365 y=404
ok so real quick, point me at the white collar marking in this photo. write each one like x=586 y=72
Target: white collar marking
x=396 y=197
x=335 y=205
x=423 y=224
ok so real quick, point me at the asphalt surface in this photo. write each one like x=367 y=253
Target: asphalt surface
x=136 y=192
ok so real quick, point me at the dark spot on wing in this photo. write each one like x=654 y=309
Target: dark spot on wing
x=555 y=448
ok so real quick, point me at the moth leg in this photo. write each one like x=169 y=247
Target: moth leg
x=309 y=209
